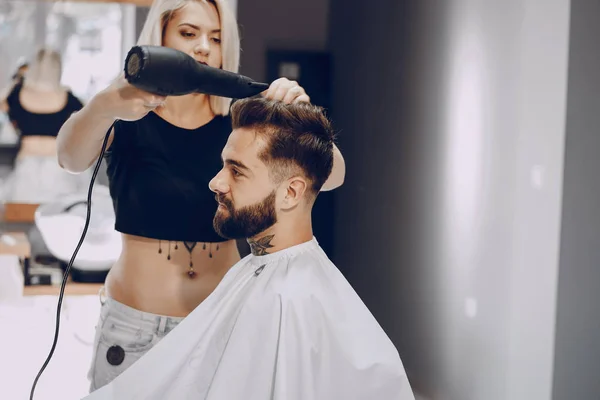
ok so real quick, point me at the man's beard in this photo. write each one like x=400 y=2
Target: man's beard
x=246 y=222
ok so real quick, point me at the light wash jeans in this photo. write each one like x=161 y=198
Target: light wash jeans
x=123 y=336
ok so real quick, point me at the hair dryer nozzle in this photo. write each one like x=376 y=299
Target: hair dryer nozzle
x=258 y=86
x=134 y=63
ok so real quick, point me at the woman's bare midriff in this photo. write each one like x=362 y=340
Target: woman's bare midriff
x=37 y=146
x=147 y=281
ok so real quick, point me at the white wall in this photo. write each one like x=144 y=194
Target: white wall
x=542 y=102
x=452 y=117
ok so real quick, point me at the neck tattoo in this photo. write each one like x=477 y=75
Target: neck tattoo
x=260 y=246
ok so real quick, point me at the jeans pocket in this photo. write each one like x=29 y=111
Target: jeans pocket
x=120 y=344
x=117 y=330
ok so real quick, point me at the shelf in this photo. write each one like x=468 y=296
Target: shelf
x=139 y=3
x=72 y=289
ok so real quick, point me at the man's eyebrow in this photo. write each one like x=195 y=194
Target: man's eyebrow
x=235 y=163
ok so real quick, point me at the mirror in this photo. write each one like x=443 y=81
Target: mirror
x=92 y=38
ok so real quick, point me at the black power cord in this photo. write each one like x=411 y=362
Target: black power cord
x=66 y=275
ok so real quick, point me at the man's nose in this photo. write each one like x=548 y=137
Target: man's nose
x=218 y=184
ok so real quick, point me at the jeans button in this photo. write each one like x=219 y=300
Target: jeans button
x=115 y=355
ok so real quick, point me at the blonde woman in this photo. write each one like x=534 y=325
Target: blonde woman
x=162 y=154
x=37 y=107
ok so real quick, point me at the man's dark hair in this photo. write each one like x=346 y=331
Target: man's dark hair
x=298 y=137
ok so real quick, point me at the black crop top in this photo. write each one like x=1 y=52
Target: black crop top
x=159 y=174
x=30 y=123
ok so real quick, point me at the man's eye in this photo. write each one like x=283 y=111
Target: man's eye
x=235 y=172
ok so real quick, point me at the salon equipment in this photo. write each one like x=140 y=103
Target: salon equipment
x=61 y=223
x=167 y=72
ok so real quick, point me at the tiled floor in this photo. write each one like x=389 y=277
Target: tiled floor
x=26 y=334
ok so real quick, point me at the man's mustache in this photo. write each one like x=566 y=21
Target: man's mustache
x=224 y=200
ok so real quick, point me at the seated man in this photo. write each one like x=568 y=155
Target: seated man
x=283 y=323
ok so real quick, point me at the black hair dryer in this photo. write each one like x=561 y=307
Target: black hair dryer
x=168 y=72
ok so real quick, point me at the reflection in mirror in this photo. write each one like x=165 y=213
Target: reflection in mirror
x=89 y=37
x=55 y=57
x=83 y=44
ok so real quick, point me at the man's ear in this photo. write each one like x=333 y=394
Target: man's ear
x=295 y=191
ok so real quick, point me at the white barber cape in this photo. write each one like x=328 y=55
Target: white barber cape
x=283 y=326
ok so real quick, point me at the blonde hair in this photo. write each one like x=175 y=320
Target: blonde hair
x=159 y=16
x=45 y=69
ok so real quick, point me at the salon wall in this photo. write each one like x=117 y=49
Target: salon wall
x=577 y=362
x=452 y=120
x=281 y=25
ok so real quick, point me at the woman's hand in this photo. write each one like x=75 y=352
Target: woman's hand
x=287 y=91
x=123 y=101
